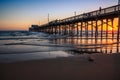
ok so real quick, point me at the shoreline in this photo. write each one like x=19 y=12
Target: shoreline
x=103 y=67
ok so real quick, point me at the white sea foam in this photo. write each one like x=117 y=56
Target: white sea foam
x=9 y=58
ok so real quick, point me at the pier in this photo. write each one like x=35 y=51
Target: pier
x=88 y=24
x=96 y=29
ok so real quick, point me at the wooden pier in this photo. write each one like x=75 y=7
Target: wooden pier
x=88 y=24
x=96 y=27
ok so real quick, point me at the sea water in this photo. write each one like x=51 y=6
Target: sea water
x=25 y=45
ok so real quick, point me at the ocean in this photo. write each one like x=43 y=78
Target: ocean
x=24 y=45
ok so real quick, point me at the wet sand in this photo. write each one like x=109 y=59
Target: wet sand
x=103 y=67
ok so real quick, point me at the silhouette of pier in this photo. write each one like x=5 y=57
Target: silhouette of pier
x=89 y=24
x=95 y=28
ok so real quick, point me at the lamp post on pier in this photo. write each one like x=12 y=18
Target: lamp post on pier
x=75 y=13
x=48 y=17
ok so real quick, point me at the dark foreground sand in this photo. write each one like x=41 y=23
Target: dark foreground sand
x=104 y=67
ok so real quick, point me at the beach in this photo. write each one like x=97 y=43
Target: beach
x=39 y=56
x=42 y=40
x=103 y=67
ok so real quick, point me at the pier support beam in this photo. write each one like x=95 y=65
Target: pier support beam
x=77 y=30
x=96 y=29
x=81 y=29
x=118 y=33
x=92 y=29
x=112 y=28
x=101 y=30
x=106 y=29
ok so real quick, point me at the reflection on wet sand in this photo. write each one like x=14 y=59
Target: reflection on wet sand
x=90 y=44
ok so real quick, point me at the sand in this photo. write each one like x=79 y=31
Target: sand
x=102 y=67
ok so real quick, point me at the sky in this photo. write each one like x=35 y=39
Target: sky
x=21 y=14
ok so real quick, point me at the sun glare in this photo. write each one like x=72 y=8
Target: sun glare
x=111 y=29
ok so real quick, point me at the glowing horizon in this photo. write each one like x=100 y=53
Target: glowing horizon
x=21 y=14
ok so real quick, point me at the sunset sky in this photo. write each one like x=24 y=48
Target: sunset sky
x=20 y=14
